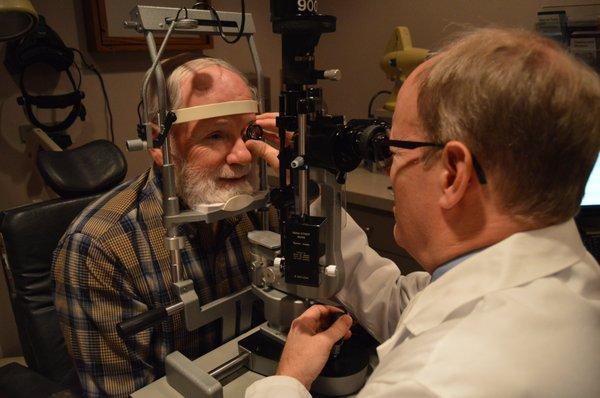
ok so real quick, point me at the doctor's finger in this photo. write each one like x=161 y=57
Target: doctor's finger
x=267 y=115
x=320 y=315
x=268 y=123
x=270 y=129
x=264 y=151
x=339 y=329
x=273 y=138
x=316 y=315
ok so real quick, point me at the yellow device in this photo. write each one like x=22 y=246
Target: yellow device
x=399 y=60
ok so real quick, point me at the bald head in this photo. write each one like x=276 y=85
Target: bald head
x=212 y=84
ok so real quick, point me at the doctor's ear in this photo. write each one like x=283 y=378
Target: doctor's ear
x=457 y=172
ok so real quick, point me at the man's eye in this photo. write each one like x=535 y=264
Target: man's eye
x=217 y=135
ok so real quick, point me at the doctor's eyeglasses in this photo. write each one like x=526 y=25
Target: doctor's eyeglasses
x=385 y=148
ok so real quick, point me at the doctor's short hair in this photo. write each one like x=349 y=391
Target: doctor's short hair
x=179 y=68
x=526 y=109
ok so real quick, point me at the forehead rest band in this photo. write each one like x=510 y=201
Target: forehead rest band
x=215 y=110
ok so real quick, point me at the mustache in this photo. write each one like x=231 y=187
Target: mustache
x=237 y=171
x=226 y=171
x=198 y=185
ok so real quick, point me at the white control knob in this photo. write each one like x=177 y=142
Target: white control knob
x=277 y=261
x=333 y=74
x=331 y=270
x=298 y=162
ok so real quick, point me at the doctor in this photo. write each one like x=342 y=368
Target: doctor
x=493 y=141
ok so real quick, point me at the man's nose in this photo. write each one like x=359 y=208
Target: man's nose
x=239 y=153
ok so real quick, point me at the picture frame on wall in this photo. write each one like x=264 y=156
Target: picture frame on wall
x=105 y=30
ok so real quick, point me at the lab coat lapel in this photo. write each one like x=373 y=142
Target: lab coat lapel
x=519 y=259
x=401 y=331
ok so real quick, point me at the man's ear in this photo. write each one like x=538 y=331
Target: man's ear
x=457 y=172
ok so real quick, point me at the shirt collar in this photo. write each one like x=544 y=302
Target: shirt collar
x=451 y=264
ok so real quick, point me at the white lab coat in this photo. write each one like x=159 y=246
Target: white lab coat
x=518 y=319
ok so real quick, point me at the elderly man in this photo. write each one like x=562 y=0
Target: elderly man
x=492 y=141
x=112 y=263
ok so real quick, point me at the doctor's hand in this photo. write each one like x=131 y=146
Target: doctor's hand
x=310 y=341
x=260 y=149
x=270 y=130
x=271 y=135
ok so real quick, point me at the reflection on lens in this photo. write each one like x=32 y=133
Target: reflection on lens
x=253 y=132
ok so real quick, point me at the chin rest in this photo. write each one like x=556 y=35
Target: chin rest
x=89 y=169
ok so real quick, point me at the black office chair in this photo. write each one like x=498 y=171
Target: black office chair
x=29 y=236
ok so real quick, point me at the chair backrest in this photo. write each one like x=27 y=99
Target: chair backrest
x=92 y=168
x=29 y=236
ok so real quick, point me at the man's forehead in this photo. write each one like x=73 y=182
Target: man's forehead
x=230 y=120
x=214 y=92
x=216 y=96
x=212 y=85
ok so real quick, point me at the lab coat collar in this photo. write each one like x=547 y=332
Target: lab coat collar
x=518 y=259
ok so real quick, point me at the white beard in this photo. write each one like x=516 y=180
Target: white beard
x=200 y=187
